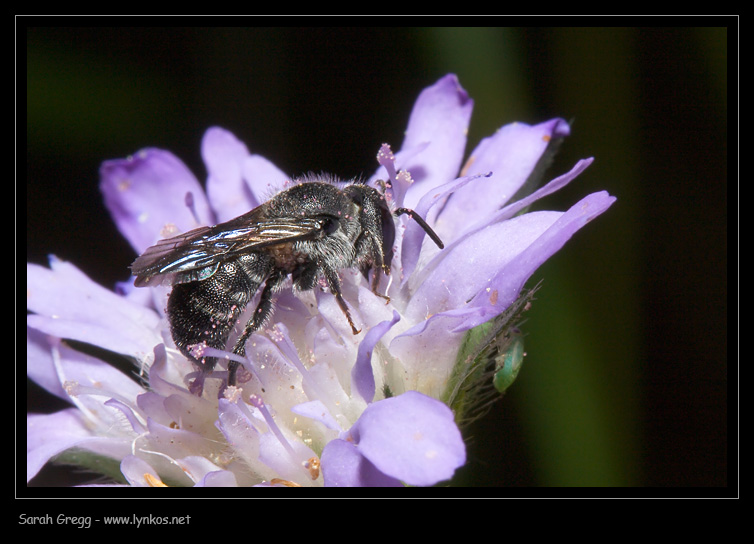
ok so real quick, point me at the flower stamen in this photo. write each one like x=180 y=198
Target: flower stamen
x=312 y=465
x=189 y=200
x=258 y=403
x=286 y=483
x=153 y=481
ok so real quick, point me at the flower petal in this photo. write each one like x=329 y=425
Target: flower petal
x=511 y=155
x=344 y=466
x=40 y=366
x=263 y=179
x=218 y=478
x=104 y=380
x=439 y=336
x=438 y=345
x=512 y=277
x=224 y=155
x=316 y=410
x=411 y=437
x=494 y=279
x=175 y=442
x=136 y=425
x=467 y=267
x=135 y=470
x=414 y=235
x=556 y=184
x=242 y=436
x=147 y=196
x=362 y=376
x=97 y=335
x=72 y=306
x=272 y=452
x=440 y=118
x=198 y=468
x=50 y=434
x=64 y=371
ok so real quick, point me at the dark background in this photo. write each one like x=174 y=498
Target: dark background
x=626 y=378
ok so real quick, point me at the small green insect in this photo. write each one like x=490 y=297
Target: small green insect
x=508 y=362
x=387 y=391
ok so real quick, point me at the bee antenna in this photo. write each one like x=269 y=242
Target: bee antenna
x=423 y=224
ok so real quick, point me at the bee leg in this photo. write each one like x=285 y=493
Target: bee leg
x=232 y=369
x=334 y=283
x=261 y=314
x=376 y=283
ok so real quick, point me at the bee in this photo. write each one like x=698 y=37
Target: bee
x=309 y=231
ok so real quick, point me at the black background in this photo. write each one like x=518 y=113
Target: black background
x=626 y=377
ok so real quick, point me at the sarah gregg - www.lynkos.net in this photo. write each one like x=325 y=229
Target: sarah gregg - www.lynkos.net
x=85 y=522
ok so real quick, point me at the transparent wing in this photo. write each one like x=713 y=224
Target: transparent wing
x=196 y=254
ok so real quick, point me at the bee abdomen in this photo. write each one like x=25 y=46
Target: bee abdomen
x=206 y=311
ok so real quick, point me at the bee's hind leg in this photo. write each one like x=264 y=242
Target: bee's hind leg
x=262 y=313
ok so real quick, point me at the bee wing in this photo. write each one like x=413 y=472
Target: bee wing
x=196 y=254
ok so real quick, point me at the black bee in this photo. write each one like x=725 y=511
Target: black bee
x=310 y=230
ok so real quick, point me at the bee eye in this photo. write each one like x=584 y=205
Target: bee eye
x=329 y=224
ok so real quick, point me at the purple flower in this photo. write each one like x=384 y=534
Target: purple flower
x=315 y=405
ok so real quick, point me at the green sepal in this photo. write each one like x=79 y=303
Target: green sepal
x=89 y=461
x=488 y=361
